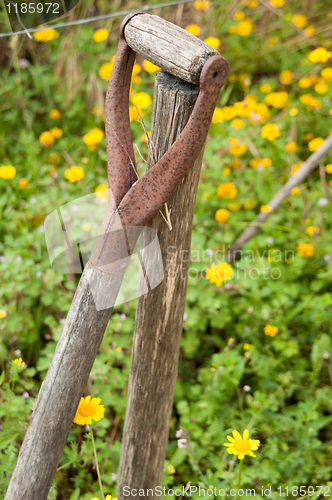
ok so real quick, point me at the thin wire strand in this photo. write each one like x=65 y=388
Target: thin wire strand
x=96 y=18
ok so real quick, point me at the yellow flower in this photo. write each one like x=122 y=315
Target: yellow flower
x=213 y=41
x=305 y=250
x=265 y=208
x=236 y=163
x=328 y=168
x=272 y=41
x=74 y=174
x=249 y=203
x=276 y=99
x=171 y=469
x=242 y=446
x=93 y=137
x=219 y=274
x=299 y=20
x=89 y=409
x=254 y=162
x=221 y=215
x=19 y=362
x=133 y=113
x=100 y=35
x=266 y=162
x=7 y=172
x=46 y=139
x=237 y=123
x=327 y=74
x=310 y=101
x=234 y=206
x=217 y=116
x=239 y=15
x=246 y=347
x=295 y=191
x=86 y=227
x=106 y=70
x=265 y=88
x=23 y=182
x=150 y=67
x=321 y=88
x=271 y=330
x=142 y=100
x=108 y=497
x=193 y=29
x=309 y=31
x=293 y=111
x=56 y=132
x=304 y=82
x=295 y=168
x=286 y=77
x=102 y=192
x=3 y=314
x=312 y=230
x=226 y=171
x=227 y=190
x=277 y=3
x=135 y=73
x=270 y=131
x=315 y=143
x=291 y=147
x=229 y=112
x=55 y=114
x=45 y=35
x=202 y=4
x=238 y=149
x=319 y=55
x=244 y=27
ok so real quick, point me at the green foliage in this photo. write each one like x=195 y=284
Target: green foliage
x=279 y=387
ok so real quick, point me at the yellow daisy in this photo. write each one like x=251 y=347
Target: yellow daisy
x=242 y=446
x=89 y=409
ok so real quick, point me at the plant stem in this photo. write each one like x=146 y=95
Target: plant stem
x=10 y=401
x=96 y=460
x=239 y=486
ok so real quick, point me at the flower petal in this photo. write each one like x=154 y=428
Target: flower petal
x=237 y=435
x=246 y=434
x=241 y=456
x=232 y=440
x=251 y=453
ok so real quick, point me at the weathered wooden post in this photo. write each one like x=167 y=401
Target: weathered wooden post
x=159 y=315
x=132 y=204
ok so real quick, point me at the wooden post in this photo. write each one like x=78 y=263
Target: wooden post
x=159 y=315
x=63 y=386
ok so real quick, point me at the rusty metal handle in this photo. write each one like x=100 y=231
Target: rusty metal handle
x=151 y=191
x=137 y=200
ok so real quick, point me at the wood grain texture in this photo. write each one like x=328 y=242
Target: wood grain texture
x=62 y=388
x=159 y=315
x=170 y=47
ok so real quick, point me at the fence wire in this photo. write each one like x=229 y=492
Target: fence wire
x=145 y=8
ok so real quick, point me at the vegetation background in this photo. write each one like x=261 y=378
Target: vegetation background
x=256 y=350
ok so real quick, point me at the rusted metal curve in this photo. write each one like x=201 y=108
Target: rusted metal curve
x=151 y=191
x=137 y=200
x=120 y=152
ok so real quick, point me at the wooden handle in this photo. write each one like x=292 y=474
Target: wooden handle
x=168 y=46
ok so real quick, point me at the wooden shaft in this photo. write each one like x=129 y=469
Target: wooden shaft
x=159 y=315
x=168 y=46
x=62 y=388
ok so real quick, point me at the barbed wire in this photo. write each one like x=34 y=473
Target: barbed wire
x=96 y=18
